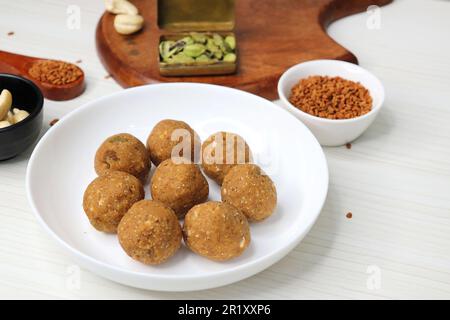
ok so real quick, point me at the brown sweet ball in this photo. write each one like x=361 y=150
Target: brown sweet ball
x=221 y=151
x=216 y=230
x=123 y=152
x=250 y=190
x=150 y=232
x=179 y=185
x=108 y=198
x=167 y=135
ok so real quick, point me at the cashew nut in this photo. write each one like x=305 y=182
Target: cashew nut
x=120 y=7
x=5 y=103
x=10 y=117
x=4 y=124
x=19 y=115
x=6 y=116
x=128 y=24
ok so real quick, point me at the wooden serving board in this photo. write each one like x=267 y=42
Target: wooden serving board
x=272 y=35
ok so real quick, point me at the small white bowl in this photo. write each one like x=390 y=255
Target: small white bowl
x=331 y=132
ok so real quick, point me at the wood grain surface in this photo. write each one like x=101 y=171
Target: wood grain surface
x=272 y=35
x=395 y=179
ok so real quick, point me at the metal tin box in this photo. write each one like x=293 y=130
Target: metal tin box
x=179 y=18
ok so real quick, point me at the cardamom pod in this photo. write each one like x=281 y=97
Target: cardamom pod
x=204 y=59
x=211 y=47
x=199 y=48
x=218 y=54
x=194 y=50
x=231 y=42
x=181 y=58
x=218 y=40
x=198 y=37
x=167 y=49
x=188 y=40
x=229 y=57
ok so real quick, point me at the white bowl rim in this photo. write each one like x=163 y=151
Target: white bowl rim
x=264 y=261
x=375 y=109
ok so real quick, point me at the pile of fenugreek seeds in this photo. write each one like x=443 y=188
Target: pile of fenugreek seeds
x=55 y=72
x=331 y=97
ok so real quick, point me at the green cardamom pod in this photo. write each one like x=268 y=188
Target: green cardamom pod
x=199 y=48
x=226 y=48
x=167 y=49
x=194 y=50
x=229 y=57
x=218 y=54
x=231 y=42
x=203 y=59
x=209 y=54
x=211 y=47
x=179 y=45
x=181 y=58
x=218 y=40
x=188 y=40
x=198 y=37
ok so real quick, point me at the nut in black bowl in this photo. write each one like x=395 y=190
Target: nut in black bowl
x=26 y=95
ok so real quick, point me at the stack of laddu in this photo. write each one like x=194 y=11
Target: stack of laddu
x=149 y=230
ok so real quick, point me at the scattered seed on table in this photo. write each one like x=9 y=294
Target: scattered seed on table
x=348 y=145
x=53 y=122
x=11 y=33
x=349 y=215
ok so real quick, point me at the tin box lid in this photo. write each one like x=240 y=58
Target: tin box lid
x=196 y=15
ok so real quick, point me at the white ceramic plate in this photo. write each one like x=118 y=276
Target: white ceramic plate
x=61 y=167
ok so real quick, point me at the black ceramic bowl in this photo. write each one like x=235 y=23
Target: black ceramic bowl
x=26 y=96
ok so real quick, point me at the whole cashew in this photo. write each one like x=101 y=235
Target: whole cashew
x=5 y=103
x=120 y=7
x=4 y=124
x=19 y=115
x=10 y=117
x=128 y=24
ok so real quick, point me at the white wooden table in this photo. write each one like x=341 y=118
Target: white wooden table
x=395 y=179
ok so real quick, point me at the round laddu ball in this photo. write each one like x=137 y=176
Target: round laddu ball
x=108 y=198
x=172 y=137
x=179 y=185
x=123 y=152
x=150 y=232
x=221 y=151
x=250 y=190
x=216 y=230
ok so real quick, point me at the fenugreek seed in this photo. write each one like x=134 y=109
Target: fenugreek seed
x=55 y=72
x=331 y=97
